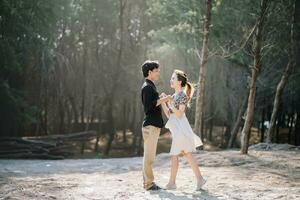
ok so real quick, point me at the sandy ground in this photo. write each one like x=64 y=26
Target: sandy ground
x=260 y=175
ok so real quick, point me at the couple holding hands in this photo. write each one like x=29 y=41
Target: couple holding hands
x=184 y=140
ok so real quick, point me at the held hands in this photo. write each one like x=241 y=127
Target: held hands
x=162 y=95
x=166 y=98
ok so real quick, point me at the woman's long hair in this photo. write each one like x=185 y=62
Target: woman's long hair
x=189 y=89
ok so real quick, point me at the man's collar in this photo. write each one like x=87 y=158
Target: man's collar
x=149 y=81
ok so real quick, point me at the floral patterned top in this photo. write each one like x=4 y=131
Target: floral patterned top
x=180 y=98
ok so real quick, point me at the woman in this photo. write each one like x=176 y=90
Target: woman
x=184 y=140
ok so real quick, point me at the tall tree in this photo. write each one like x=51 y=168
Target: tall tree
x=202 y=72
x=284 y=78
x=245 y=135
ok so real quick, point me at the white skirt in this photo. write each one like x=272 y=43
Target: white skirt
x=183 y=136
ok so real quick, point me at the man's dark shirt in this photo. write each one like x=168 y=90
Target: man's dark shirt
x=149 y=99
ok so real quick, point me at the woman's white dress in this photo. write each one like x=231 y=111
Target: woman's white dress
x=183 y=137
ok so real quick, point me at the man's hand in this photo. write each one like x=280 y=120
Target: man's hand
x=162 y=95
x=163 y=98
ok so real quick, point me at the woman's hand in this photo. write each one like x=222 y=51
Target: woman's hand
x=170 y=100
x=163 y=98
x=167 y=98
x=162 y=95
x=165 y=108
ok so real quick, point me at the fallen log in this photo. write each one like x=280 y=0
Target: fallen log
x=31 y=156
x=43 y=147
x=70 y=136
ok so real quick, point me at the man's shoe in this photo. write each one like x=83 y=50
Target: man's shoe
x=154 y=187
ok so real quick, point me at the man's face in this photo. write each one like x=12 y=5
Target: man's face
x=154 y=74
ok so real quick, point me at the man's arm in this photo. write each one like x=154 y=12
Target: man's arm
x=162 y=100
x=149 y=98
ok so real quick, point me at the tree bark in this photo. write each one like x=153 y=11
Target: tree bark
x=262 y=130
x=237 y=123
x=83 y=90
x=277 y=101
x=122 y=4
x=227 y=135
x=283 y=81
x=96 y=148
x=297 y=129
x=245 y=135
x=211 y=126
x=198 y=126
x=125 y=120
x=278 y=125
x=291 y=123
x=112 y=130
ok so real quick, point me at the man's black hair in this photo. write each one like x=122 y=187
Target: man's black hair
x=149 y=65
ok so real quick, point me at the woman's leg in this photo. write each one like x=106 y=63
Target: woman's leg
x=174 y=169
x=194 y=166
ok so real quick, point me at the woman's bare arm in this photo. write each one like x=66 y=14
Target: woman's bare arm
x=166 y=109
x=178 y=112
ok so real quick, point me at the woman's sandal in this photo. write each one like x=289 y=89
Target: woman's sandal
x=171 y=186
x=200 y=184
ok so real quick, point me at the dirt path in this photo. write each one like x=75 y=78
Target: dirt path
x=260 y=175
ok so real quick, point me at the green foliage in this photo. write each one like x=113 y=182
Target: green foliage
x=179 y=25
x=26 y=29
x=59 y=57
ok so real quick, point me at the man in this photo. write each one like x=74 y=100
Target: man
x=153 y=121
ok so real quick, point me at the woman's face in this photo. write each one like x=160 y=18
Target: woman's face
x=174 y=81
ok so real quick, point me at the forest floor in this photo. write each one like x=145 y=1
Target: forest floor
x=273 y=174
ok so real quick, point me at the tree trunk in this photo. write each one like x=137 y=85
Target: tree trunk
x=278 y=125
x=139 y=146
x=237 y=123
x=198 y=126
x=277 y=100
x=262 y=130
x=211 y=109
x=87 y=125
x=125 y=120
x=83 y=89
x=245 y=136
x=297 y=129
x=122 y=4
x=111 y=128
x=100 y=124
x=138 y=136
x=75 y=112
x=227 y=135
x=137 y=132
x=291 y=123
x=136 y=124
x=202 y=128
x=61 y=113
x=211 y=126
x=134 y=114
x=96 y=148
x=284 y=79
